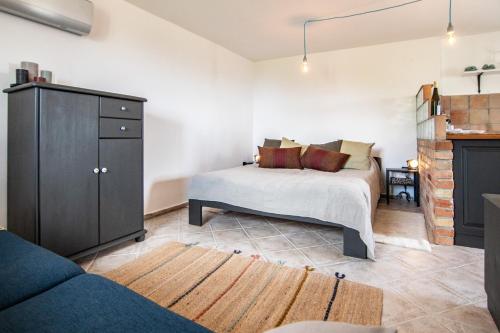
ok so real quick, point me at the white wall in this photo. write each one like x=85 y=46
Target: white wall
x=199 y=113
x=366 y=94
x=475 y=50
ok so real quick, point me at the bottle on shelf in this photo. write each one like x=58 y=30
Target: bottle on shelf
x=435 y=101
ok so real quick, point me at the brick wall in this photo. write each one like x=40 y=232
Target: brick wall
x=436 y=188
x=480 y=112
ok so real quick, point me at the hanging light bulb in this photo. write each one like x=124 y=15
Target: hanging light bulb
x=451 y=34
x=305 y=67
x=450 y=31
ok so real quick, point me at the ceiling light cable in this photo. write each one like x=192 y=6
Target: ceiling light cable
x=305 y=67
x=450 y=31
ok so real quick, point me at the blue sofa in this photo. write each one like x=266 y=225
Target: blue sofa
x=43 y=292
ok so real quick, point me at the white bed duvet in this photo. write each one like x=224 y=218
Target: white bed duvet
x=348 y=197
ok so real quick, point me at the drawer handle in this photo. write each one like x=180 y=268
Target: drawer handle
x=123 y=128
x=96 y=170
x=123 y=108
x=104 y=170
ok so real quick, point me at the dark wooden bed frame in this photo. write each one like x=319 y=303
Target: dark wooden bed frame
x=353 y=245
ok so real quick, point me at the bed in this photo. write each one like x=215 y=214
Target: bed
x=345 y=199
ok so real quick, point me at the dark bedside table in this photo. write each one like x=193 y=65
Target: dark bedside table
x=399 y=181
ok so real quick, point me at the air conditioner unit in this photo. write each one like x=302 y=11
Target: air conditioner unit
x=74 y=16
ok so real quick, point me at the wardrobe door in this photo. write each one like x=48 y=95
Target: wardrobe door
x=121 y=188
x=68 y=183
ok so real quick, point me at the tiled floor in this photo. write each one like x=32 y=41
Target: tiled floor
x=424 y=292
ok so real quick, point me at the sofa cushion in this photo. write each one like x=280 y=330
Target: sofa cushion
x=90 y=303
x=27 y=270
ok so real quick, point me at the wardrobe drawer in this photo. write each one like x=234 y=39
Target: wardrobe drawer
x=120 y=108
x=120 y=128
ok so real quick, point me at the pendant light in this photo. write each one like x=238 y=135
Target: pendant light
x=450 y=31
x=305 y=66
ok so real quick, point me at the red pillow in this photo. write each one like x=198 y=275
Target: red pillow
x=323 y=160
x=282 y=158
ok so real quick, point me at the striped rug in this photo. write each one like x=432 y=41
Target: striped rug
x=227 y=292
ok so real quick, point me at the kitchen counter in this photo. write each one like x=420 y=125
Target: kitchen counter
x=474 y=136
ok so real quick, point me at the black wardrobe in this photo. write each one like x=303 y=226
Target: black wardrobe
x=75 y=167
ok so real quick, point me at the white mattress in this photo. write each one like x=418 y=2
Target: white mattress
x=348 y=197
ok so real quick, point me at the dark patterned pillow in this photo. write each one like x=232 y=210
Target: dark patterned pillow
x=323 y=160
x=331 y=146
x=280 y=158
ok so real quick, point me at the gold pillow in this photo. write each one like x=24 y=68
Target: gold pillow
x=360 y=154
x=287 y=143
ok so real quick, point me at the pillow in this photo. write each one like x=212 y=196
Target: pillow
x=287 y=143
x=272 y=143
x=280 y=158
x=323 y=160
x=360 y=154
x=331 y=146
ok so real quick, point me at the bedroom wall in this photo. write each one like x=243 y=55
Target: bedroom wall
x=367 y=93
x=199 y=113
x=364 y=94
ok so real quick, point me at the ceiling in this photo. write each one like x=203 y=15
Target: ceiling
x=267 y=29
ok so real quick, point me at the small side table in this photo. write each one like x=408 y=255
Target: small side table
x=415 y=182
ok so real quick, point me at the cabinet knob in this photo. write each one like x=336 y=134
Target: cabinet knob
x=123 y=128
x=96 y=170
x=123 y=108
x=104 y=170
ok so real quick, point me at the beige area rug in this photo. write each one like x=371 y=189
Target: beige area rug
x=400 y=228
x=227 y=292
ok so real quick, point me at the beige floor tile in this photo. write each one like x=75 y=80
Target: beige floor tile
x=103 y=264
x=274 y=243
x=197 y=238
x=469 y=318
x=462 y=282
x=251 y=220
x=186 y=227
x=167 y=229
x=324 y=255
x=224 y=236
x=454 y=255
x=306 y=239
x=427 y=324
x=221 y=222
x=86 y=261
x=291 y=227
x=262 y=231
x=154 y=242
x=373 y=272
x=292 y=258
x=421 y=261
x=428 y=294
x=332 y=235
x=476 y=268
x=129 y=247
x=246 y=248
x=398 y=309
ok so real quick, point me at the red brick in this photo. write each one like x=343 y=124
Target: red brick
x=444 y=184
x=443 y=240
x=443 y=165
x=443 y=212
x=442 y=174
x=443 y=154
x=441 y=232
x=444 y=145
x=444 y=203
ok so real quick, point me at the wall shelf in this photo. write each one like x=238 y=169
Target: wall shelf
x=479 y=74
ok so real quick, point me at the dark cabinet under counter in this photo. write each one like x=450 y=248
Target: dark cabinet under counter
x=75 y=169
x=476 y=170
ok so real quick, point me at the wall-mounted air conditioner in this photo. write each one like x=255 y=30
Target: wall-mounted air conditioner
x=74 y=16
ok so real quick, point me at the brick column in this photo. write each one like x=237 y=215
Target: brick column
x=436 y=188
